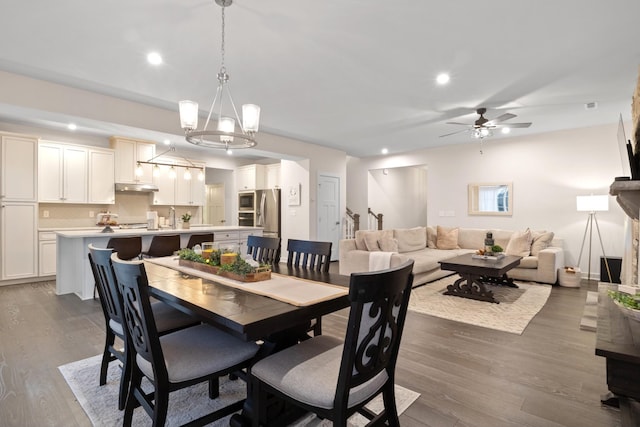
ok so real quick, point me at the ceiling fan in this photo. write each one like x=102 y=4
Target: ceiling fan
x=483 y=127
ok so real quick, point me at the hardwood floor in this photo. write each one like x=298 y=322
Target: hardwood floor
x=467 y=376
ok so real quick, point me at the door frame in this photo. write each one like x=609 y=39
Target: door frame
x=335 y=251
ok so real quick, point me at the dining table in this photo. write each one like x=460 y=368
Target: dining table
x=251 y=311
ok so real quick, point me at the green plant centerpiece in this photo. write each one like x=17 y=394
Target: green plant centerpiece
x=628 y=301
x=186 y=217
x=215 y=263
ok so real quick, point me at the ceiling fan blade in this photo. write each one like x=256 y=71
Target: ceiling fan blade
x=458 y=123
x=453 y=133
x=502 y=118
x=515 y=125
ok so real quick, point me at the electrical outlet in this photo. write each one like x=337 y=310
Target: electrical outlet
x=92 y=214
x=45 y=214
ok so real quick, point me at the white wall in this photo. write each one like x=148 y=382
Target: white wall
x=548 y=171
x=400 y=194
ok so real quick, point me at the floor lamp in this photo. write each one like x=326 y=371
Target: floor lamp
x=593 y=204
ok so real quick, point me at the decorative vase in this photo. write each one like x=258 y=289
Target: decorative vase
x=186 y=226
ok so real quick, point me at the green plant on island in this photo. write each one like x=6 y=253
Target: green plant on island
x=629 y=301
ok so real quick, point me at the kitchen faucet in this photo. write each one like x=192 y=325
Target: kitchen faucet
x=172 y=217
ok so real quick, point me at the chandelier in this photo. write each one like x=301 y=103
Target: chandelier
x=224 y=135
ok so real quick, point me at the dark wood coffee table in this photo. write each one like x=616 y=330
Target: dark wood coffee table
x=476 y=273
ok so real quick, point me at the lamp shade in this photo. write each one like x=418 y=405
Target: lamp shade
x=592 y=203
x=188 y=114
x=228 y=125
x=250 y=118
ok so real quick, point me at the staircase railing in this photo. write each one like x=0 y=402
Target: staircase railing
x=375 y=220
x=352 y=224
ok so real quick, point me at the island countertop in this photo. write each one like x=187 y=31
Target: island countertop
x=124 y=232
x=73 y=272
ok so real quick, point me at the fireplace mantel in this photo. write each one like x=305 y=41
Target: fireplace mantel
x=628 y=196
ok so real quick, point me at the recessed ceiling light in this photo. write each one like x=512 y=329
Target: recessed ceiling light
x=506 y=130
x=443 y=78
x=72 y=126
x=154 y=58
x=167 y=142
x=384 y=151
x=229 y=151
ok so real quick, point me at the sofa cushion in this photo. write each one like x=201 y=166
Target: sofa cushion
x=388 y=245
x=411 y=239
x=431 y=237
x=520 y=243
x=529 y=262
x=471 y=238
x=379 y=234
x=540 y=240
x=447 y=238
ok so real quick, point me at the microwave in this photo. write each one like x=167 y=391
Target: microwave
x=247 y=201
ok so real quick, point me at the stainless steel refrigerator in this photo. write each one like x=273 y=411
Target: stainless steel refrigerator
x=268 y=212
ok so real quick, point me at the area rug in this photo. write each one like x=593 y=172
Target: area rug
x=516 y=309
x=100 y=402
x=590 y=313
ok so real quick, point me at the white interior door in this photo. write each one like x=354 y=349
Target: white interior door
x=215 y=205
x=329 y=212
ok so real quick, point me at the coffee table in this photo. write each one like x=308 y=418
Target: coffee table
x=476 y=273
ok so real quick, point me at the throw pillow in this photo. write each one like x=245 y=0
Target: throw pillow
x=540 y=240
x=388 y=245
x=447 y=238
x=519 y=243
x=431 y=237
x=371 y=242
x=411 y=239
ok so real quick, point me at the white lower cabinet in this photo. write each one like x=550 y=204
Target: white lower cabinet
x=47 y=253
x=18 y=240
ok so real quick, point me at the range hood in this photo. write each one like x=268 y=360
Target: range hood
x=136 y=188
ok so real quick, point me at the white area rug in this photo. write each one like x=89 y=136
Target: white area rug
x=100 y=403
x=516 y=309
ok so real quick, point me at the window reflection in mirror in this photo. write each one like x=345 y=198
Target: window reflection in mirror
x=490 y=199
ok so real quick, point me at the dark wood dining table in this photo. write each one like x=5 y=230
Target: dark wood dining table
x=246 y=315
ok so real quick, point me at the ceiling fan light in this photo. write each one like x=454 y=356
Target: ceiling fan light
x=506 y=130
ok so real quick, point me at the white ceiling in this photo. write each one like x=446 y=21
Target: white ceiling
x=356 y=75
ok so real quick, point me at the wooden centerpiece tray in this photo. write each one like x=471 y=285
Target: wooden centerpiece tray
x=261 y=273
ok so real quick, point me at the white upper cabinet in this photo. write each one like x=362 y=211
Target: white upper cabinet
x=101 y=177
x=19 y=168
x=166 y=193
x=272 y=175
x=190 y=192
x=250 y=177
x=178 y=190
x=128 y=153
x=62 y=173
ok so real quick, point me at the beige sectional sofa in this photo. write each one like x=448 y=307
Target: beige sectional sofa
x=542 y=255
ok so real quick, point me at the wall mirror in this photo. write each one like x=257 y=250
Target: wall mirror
x=491 y=198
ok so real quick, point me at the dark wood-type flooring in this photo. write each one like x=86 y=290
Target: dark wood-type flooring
x=467 y=376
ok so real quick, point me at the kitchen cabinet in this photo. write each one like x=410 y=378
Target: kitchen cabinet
x=190 y=192
x=166 y=194
x=250 y=177
x=19 y=168
x=62 y=173
x=47 y=253
x=272 y=176
x=18 y=240
x=128 y=152
x=101 y=177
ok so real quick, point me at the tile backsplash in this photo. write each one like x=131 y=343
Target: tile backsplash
x=131 y=208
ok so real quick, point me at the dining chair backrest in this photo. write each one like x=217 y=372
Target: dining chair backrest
x=100 y=261
x=264 y=249
x=379 y=302
x=126 y=247
x=132 y=280
x=163 y=245
x=309 y=254
x=199 y=239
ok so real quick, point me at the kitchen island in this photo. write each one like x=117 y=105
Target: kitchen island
x=73 y=272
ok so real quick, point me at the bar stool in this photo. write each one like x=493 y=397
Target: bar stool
x=199 y=239
x=163 y=245
x=126 y=247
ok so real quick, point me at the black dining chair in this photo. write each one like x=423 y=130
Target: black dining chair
x=163 y=245
x=177 y=360
x=264 y=249
x=335 y=379
x=309 y=254
x=199 y=239
x=313 y=256
x=168 y=319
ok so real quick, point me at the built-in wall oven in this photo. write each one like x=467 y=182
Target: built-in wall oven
x=246 y=219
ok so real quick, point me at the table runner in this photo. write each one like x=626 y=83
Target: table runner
x=292 y=290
